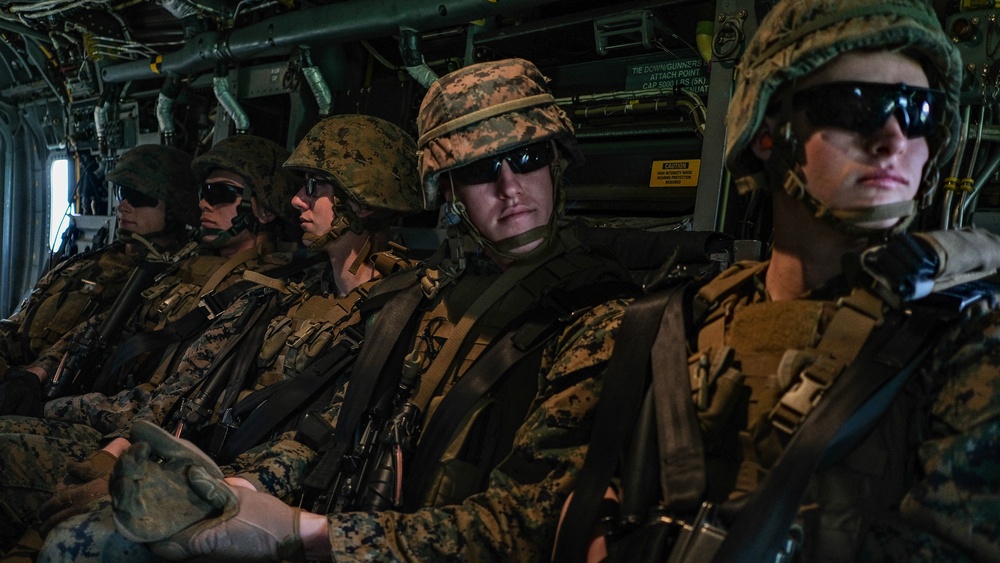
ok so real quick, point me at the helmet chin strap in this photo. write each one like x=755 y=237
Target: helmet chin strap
x=783 y=169
x=348 y=220
x=245 y=220
x=851 y=222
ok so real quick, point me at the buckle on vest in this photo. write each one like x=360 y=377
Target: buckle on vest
x=803 y=396
x=212 y=305
x=352 y=336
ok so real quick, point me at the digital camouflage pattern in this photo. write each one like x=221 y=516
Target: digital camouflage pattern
x=486 y=109
x=802 y=35
x=258 y=161
x=162 y=172
x=169 y=299
x=93 y=417
x=58 y=301
x=308 y=323
x=32 y=451
x=515 y=518
x=873 y=504
x=374 y=161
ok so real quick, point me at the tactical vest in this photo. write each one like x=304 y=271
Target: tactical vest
x=295 y=340
x=749 y=352
x=179 y=290
x=58 y=303
x=306 y=325
x=474 y=451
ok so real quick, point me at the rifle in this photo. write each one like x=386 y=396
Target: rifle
x=229 y=369
x=80 y=365
x=370 y=475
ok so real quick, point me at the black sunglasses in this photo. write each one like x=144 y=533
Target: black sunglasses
x=135 y=198
x=219 y=193
x=864 y=107
x=311 y=183
x=521 y=160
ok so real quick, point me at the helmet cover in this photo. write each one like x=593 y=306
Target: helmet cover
x=486 y=109
x=799 y=36
x=162 y=172
x=372 y=160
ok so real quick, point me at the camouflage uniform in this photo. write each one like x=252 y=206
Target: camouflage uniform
x=917 y=486
x=93 y=417
x=476 y=510
x=371 y=162
x=95 y=279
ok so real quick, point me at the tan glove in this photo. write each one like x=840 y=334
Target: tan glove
x=85 y=482
x=252 y=525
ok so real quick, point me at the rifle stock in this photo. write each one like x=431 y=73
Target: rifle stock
x=80 y=366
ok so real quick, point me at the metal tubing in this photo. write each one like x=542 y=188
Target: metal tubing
x=334 y=23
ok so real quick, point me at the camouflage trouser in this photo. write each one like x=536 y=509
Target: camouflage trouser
x=33 y=456
x=92 y=537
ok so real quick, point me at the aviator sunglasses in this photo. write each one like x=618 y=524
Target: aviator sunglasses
x=135 y=198
x=864 y=107
x=521 y=160
x=218 y=193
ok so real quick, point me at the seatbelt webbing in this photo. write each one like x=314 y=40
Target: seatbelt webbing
x=430 y=380
x=487 y=371
x=281 y=401
x=624 y=388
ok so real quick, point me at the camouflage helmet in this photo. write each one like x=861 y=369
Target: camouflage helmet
x=486 y=109
x=164 y=173
x=799 y=36
x=372 y=160
x=258 y=161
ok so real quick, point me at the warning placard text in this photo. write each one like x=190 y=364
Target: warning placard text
x=674 y=174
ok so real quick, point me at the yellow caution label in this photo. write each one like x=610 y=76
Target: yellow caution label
x=156 y=63
x=674 y=173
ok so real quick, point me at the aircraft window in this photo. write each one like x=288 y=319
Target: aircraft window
x=58 y=201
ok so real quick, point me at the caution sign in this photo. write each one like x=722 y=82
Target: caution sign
x=674 y=174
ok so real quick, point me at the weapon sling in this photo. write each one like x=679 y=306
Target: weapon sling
x=228 y=369
x=393 y=319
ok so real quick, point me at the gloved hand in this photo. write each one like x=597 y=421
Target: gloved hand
x=168 y=493
x=21 y=393
x=85 y=482
x=252 y=525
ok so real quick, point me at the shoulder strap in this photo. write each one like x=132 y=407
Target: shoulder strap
x=514 y=349
x=274 y=403
x=210 y=305
x=441 y=365
x=656 y=317
x=393 y=320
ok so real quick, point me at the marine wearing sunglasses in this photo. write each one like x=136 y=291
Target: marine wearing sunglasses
x=219 y=193
x=864 y=107
x=134 y=198
x=522 y=160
